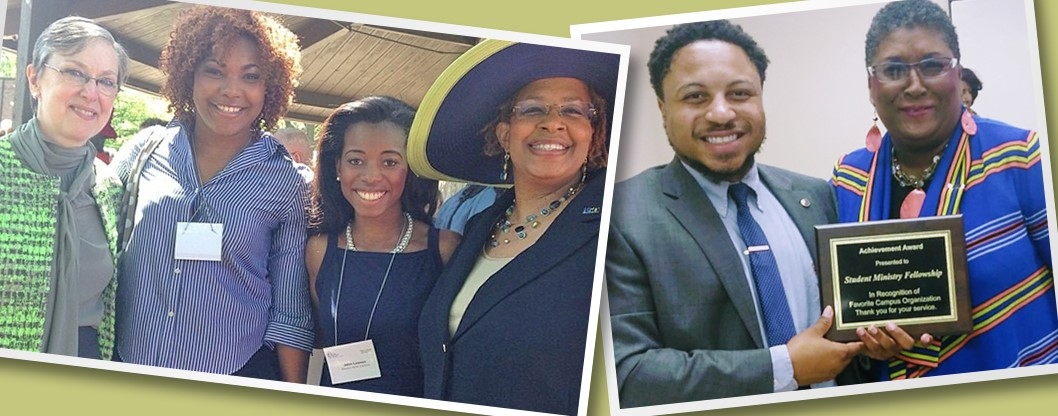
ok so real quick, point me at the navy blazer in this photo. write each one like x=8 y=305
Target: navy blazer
x=522 y=339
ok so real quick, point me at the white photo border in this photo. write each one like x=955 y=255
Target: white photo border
x=418 y=25
x=580 y=30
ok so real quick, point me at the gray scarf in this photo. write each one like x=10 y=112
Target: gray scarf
x=74 y=167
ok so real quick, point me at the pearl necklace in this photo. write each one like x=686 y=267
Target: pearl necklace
x=532 y=220
x=405 y=237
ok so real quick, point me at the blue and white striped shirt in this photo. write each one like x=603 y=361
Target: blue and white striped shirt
x=213 y=316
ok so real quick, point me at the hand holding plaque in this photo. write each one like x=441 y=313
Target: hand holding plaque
x=816 y=359
x=883 y=343
x=909 y=272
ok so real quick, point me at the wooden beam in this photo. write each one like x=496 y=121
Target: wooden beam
x=458 y=39
x=140 y=51
x=95 y=9
x=316 y=99
x=313 y=31
x=303 y=117
x=144 y=86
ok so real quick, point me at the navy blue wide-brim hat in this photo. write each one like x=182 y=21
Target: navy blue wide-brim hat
x=446 y=141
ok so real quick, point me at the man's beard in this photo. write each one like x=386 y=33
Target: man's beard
x=716 y=176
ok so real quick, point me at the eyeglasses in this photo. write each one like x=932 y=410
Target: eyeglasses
x=536 y=110
x=899 y=71
x=106 y=86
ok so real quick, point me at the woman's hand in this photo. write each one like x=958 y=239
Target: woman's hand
x=886 y=343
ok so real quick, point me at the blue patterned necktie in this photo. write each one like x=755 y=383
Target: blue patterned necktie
x=778 y=323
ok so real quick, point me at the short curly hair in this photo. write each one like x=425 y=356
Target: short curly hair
x=597 y=152
x=198 y=33
x=909 y=14
x=678 y=36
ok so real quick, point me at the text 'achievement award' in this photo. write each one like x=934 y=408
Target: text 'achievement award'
x=911 y=272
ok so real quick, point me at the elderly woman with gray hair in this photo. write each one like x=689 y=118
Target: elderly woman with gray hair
x=58 y=236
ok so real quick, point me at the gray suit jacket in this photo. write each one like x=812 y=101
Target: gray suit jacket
x=681 y=309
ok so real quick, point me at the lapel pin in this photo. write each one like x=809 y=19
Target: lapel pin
x=805 y=202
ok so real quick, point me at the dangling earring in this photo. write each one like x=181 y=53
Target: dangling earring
x=874 y=136
x=968 y=124
x=506 y=158
x=584 y=171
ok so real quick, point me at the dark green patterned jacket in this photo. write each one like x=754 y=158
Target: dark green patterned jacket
x=28 y=216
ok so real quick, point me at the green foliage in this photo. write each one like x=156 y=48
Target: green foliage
x=7 y=64
x=131 y=108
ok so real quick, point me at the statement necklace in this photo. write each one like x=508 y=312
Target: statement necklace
x=531 y=221
x=405 y=237
x=906 y=180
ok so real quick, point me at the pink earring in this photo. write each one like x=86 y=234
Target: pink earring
x=874 y=137
x=968 y=123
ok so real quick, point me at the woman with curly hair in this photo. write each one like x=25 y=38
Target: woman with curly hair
x=213 y=274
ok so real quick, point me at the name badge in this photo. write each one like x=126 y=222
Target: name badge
x=199 y=240
x=354 y=361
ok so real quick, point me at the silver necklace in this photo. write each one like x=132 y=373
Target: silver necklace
x=405 y=238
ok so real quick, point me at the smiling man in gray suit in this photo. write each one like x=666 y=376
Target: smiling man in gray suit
x=710 y=278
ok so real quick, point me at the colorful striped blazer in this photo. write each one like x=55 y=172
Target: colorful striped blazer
x=994 y=179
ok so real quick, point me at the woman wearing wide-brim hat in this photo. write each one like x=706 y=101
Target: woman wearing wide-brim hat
x=506 y=324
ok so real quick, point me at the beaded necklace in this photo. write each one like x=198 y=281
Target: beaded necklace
x=531 y=221
x=906 y=180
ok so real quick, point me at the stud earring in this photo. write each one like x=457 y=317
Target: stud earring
x=874 y=137
x=506 y=158
x=338 y=178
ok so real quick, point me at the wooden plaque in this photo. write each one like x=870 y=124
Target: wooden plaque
x=911 y=272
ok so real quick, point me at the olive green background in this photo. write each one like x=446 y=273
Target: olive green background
x=28 y=387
